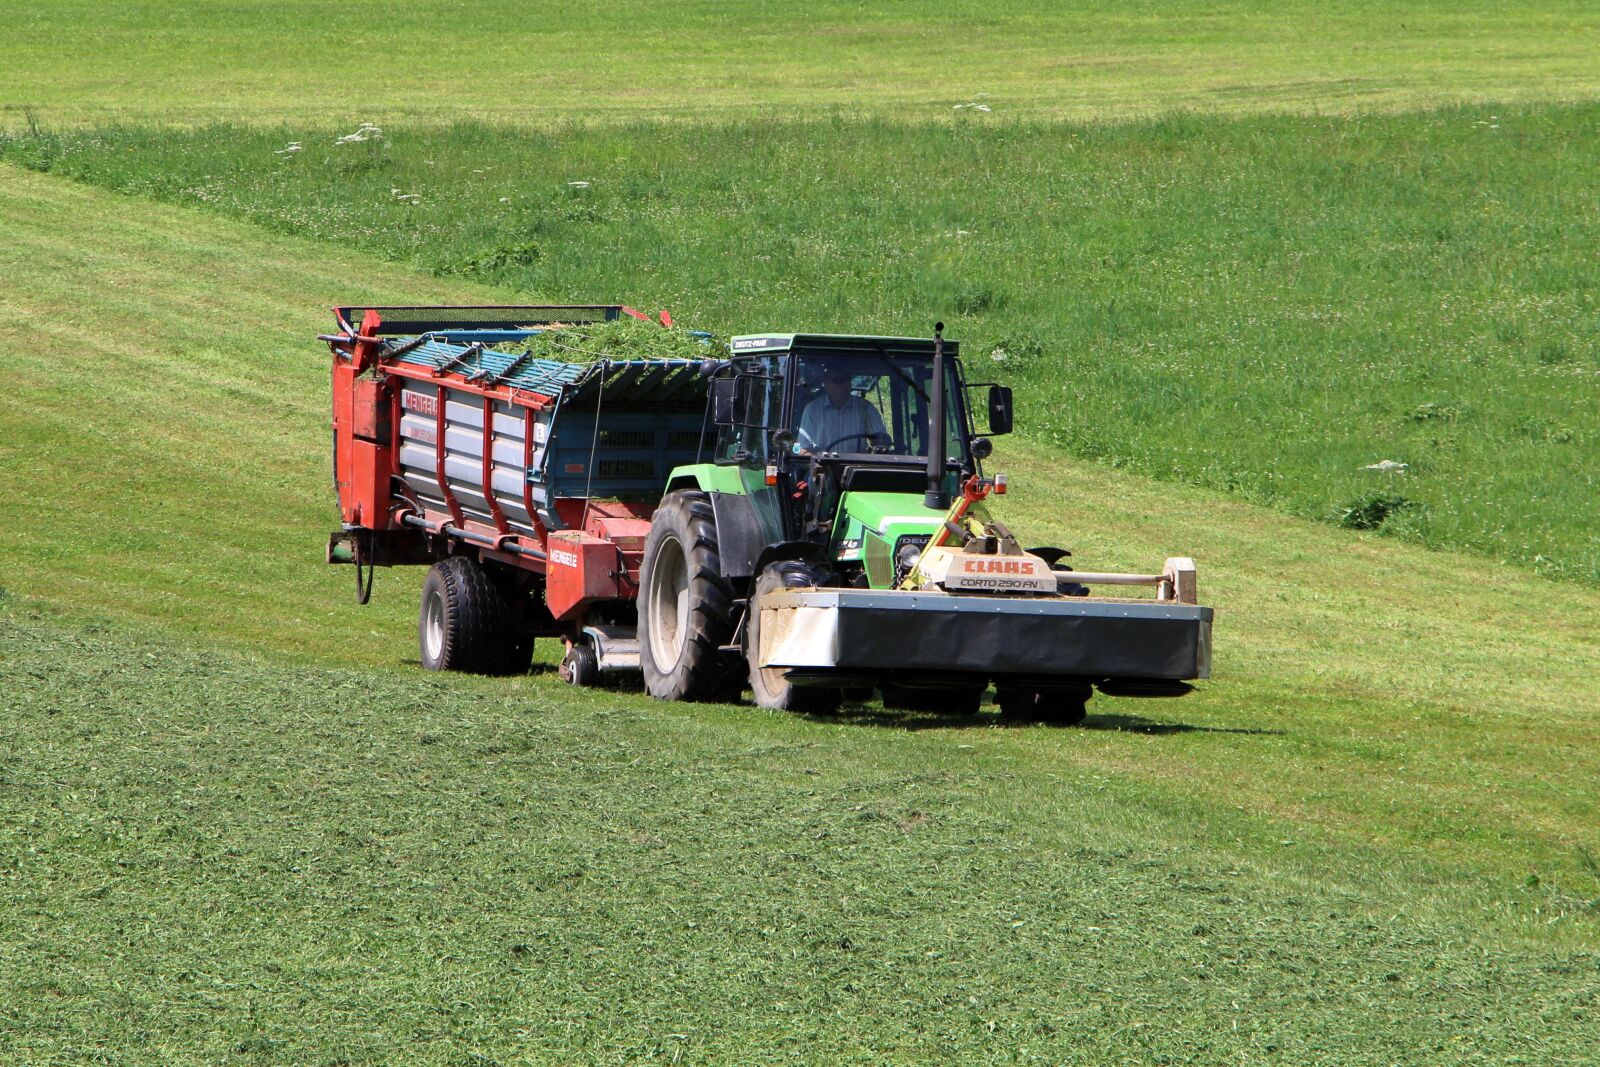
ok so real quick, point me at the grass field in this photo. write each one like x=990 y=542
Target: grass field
x=1230 y=253
x=1266 y=306
x=92 y=62
x=245 y=828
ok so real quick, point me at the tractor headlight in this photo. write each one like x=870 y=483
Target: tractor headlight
x=906 y=551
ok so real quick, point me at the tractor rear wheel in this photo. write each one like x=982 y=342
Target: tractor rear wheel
x=465 y=623
x=768 y=684
x=685 y=604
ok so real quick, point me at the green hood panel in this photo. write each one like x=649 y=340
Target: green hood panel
x=890 y=515
x=869 y=524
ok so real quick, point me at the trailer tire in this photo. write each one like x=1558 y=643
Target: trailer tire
x=580 y=666
x=768 y=684
x=519 y=654
x=685 y=604
x=465 y=623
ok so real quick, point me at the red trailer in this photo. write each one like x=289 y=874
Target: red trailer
x=530 y=482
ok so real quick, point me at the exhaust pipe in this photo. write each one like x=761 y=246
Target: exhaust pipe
x=935 y=497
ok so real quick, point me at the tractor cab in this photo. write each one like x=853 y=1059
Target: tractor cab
x=852 y=444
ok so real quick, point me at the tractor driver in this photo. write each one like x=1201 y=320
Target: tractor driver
x=838 y=420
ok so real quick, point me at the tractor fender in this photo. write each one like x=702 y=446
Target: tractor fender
x=783 y=551
x=741 y=533
x=684 y=481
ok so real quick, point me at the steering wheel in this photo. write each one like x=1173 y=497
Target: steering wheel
x=850 y=437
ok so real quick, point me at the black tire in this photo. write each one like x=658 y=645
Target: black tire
x=519 y=657
x=580 y=666
x=1066 y=706
x=526 y=614
x=685 y=604
x=1054 y=556
x=465 y=622
x=952 y=700
x=768 y=685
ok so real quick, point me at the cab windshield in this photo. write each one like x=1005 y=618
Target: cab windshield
x=872 y=404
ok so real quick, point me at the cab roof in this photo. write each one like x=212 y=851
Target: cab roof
x=835 y=344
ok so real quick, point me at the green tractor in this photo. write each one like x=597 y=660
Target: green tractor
x=840 y=540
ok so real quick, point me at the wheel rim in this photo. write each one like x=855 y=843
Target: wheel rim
x=667 y=602
x=433 y=628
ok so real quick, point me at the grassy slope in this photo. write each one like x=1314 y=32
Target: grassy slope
x=222 y=855
x=220 y=858
x=1265 y=306
x=91 y=61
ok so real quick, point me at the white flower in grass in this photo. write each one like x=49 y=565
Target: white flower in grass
x=577 y=185
x=365 y=132
x=409 y=198
x=1387 y=466
x=290 y=149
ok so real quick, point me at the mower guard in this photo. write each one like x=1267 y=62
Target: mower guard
x=862 y=631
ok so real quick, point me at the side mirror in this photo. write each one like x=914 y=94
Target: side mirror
x=999 y=410
x=724 y=392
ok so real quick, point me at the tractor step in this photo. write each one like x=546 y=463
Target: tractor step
x=616 y=647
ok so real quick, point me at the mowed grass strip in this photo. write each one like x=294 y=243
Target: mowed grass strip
x=1418 y=727
x=91 y=62
x=212 y=857
x=1391 y=322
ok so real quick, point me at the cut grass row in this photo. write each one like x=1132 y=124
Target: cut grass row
x=1267 y=306
x=1419 y=728
x=92 y=61
x=219 y=858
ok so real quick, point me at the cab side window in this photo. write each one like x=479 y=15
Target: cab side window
x=761 y=389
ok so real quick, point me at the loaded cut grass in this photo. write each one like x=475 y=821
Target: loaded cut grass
x=1312 y=313
x=625 y=338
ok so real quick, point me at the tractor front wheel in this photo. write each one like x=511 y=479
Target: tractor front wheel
x=1067 y=706
x=769 y=685
x=949 y=700
x=685 y=604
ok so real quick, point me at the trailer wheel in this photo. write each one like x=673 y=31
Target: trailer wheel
x=465 y=622
x=1062 y=707
x=685 y=605
x=768 y=684
x=519 y=656
x=580 y=666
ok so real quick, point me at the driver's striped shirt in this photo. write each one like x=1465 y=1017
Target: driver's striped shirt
x=822 y=425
